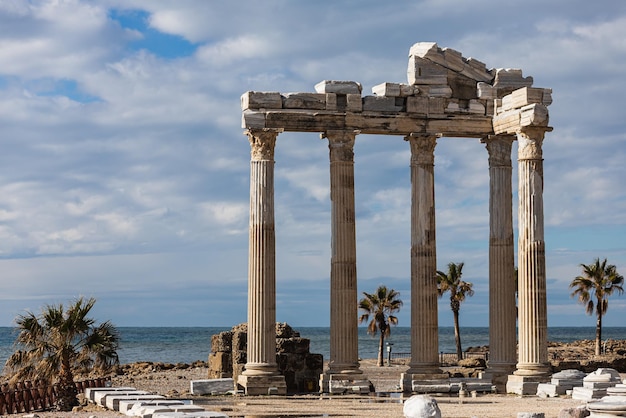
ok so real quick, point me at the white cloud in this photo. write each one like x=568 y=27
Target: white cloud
x=124 y=153
x=224 y=213
x=241 y=48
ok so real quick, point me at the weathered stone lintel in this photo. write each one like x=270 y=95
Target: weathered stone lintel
x=510 y=122
x=373 y=123
x=523 y=97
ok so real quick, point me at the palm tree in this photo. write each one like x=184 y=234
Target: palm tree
x=381 y=305
x=59 y=343
x=458 y=289
x=602 y=280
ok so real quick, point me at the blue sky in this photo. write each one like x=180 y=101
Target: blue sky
x=125 y=173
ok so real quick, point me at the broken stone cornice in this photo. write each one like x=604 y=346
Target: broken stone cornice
x=450 y=59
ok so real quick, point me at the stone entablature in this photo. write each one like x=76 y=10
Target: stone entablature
x=446 y=95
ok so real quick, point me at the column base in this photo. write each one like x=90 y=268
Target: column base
x=345 y=383
x=524 y=385
x=425 y=382
x=499 y=374
x=262 y=384
x=538 y=370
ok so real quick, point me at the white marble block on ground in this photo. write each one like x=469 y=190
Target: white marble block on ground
x=113 y=401
x=179 y=410
x=90 y=393
x=127 y=405
x=100 y=397
x=348 y=386
x=588 y=394
x=204 y=414
x=548 y=390
x=211 y=386
x=567 y=379
x=602 y=378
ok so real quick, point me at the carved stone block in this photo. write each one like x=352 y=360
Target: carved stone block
x=509 y=79
x=305 y=101
x=421 y=71
x=436 y=106
x=261 y=100
x=486 y=91
x=417 y=104
x=522 y=97
x=394 y=90
x=354 y=103
x=339 y=87
x=381 y=104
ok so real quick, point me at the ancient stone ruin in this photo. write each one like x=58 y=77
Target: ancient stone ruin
x=447 y=95
x=301 y=368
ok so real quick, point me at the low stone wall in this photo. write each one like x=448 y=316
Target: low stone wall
x=300 y=367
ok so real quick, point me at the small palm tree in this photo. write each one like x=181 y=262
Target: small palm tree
x=601 y=280
x=459 y=289
x=59 y=343
x=381 y=304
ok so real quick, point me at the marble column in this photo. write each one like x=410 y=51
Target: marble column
x=344 y=343
x=261 y=371
x=424 y=323
x=532 y=320
x=502 y=309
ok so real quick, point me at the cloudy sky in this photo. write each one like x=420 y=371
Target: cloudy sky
x=124 y=172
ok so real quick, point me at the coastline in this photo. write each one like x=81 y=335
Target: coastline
x=173 y=381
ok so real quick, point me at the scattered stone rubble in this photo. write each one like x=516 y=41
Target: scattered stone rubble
x=296 y=363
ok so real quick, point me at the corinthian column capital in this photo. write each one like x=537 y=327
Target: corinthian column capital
x=262 y=143
x=499 y=149
x=530 y=140
x=422 y=148
x=341 y=145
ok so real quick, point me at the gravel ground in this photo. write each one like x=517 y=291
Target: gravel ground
x=176 y=384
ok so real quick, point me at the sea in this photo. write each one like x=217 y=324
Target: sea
x=189 y=344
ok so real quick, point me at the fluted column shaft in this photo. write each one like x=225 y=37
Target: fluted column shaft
x=502 y=310
x=344 y=343
x=262 y=257
x=424 y=323
x=533 y=327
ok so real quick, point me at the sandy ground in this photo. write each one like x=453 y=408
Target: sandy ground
x=176 y=383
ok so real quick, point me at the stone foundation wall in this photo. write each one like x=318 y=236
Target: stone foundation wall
x=300 y=367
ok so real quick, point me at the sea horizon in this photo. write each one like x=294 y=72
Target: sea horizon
x=188 y=344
